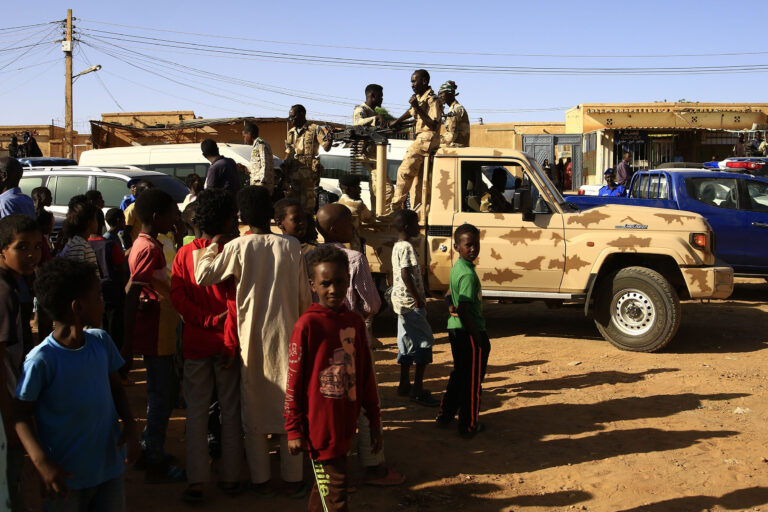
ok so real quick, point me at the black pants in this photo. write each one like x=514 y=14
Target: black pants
x=329 y=493
x=462 y=395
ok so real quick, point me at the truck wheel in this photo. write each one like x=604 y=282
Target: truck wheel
x=637 y=309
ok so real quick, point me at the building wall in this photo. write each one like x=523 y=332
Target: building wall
x=509 y=135
x=49 y=137
x=588 y=117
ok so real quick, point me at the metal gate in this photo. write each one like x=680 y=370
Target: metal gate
x=542 y=147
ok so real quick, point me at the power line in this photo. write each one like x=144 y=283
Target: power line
x=87 y=60
x=436 y=52
x=460 y=68
x=32 y=25
x=29 y=49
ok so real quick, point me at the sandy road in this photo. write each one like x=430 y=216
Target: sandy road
x=573 y=424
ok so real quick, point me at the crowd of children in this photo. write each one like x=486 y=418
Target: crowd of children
x=273 y=330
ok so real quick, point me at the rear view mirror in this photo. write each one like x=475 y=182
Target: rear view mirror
x=524 y=204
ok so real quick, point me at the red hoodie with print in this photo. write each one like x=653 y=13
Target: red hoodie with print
x=330 y=376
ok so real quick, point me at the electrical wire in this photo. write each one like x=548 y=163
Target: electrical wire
x=436 y=52
x=456 y=68
x=88 y=61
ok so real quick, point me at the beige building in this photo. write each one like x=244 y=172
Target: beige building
x=509 y=135
x=655 y=133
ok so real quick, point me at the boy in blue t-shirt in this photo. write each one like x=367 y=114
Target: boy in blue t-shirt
x=69 y=397
x=469 y=342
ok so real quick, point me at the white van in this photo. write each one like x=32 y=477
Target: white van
x=177 y=160
x=336 y=163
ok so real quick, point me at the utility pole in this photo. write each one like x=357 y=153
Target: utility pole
x=67 y=47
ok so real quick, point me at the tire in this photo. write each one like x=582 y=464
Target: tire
x=637 y=310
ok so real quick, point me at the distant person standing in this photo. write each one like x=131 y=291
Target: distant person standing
x=30 y=146
x=14 y=150
x=302 y=166
x=624 y=171
x=223 y=171
x=559 y=173
x=738 y=149
x=568 y=177
x=456 y=120
x=762 y=149
x=261 y=168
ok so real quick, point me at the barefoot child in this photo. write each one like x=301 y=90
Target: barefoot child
x=272 y=291
x=414 y=334
x=330 y=377
x=469 y=342
x=70 y=395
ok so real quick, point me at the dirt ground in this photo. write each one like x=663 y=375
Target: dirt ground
x=572 y=423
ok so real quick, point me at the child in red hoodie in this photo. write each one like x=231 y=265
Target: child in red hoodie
x=210 y=361
x=330 y=376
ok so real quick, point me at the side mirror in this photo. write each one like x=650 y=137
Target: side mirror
x=524 y=204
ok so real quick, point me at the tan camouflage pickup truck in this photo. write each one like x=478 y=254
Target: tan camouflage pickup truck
x=629 y=266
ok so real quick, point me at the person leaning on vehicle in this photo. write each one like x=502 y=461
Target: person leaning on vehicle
x=611 y=188
x=456 y=121
x=261 y=168
x=426 y=111
x=365 y=115
x=302 y=167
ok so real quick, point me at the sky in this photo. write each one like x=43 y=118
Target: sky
x=223 y=69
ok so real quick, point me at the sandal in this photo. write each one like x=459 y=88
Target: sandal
x=425 y=398
x=392 y=478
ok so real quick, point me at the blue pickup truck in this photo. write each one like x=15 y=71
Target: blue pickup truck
x=734 y=204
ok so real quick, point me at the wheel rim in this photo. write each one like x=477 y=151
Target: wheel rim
x=633 y=312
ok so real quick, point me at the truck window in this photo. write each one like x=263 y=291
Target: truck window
x=650 y=186
x=719 y=192
x=112 y=190
x=28 y=184
x=758 y=195
x=490 y=186
x=69 y=186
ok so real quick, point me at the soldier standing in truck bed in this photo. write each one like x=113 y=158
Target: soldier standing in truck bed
x=302 y=167
x=456 y=120
x=365 y=115
x=426 y=111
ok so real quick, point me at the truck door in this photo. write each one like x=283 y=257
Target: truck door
x=514 y=254
x=717 y=199
x=756 y=235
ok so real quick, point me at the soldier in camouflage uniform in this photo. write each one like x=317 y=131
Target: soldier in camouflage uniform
x=426 y=111
x=302 y=167
x=456 y=120
x=365 y=115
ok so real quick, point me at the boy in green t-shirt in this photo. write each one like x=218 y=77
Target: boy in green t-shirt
x=469 y=342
